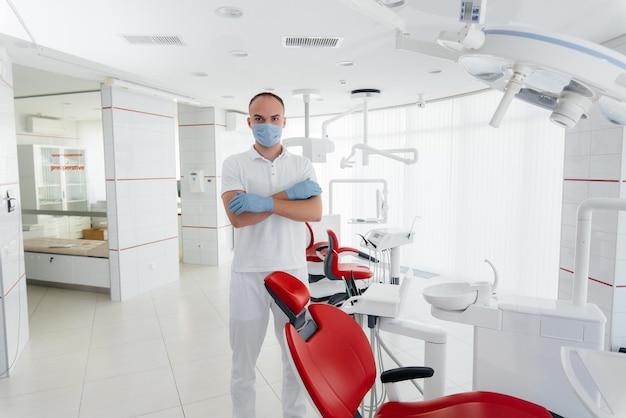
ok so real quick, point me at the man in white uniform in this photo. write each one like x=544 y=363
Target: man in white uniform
x=268 y=193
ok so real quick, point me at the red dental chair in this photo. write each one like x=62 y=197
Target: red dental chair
x=315 y=253
x=334 y=269
x=333 y=358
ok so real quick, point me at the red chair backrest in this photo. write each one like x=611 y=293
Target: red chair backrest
x=311 y=238
x=332 y=257
x=335 y=364
x=313 y=247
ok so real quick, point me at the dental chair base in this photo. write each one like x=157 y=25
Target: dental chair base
x=517 y=347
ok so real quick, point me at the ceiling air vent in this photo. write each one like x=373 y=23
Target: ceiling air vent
x=311 y=42
x=173 y=40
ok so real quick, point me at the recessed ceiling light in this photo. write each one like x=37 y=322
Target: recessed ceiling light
x=239 y=53
x=199 y=74
x=345 y=64
x=229 y=11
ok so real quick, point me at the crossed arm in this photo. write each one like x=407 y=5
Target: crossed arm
x=300 y=205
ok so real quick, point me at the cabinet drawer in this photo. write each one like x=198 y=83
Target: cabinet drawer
x=54 y=268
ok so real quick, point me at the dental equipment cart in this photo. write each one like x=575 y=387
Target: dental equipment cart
x=386 y=300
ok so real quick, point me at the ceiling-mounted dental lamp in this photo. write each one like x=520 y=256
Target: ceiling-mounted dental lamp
x=571 y=107
x=555 y=66
x=315 y=149
x=559 y=73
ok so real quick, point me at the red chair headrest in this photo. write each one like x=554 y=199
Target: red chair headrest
x=288 y=289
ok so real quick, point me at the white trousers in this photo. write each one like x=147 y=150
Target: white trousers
x=250 y=306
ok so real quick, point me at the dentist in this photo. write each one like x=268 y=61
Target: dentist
x=267 y=193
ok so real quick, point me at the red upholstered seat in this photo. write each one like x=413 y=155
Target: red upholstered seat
x=468 y=404
x=336 y=366
x=351 y=270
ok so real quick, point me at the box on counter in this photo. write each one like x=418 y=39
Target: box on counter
x=100 y=234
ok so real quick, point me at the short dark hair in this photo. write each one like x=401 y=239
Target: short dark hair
x=267 y=94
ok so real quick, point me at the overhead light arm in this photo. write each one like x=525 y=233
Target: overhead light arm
x=513 y=87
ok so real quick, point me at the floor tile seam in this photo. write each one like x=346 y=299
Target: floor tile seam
x=197 y=331
x=104 y=322
x=45 y=291
x=169 y=360
x=190 y=311
x=210 y=397
x=225 y=320
x=82 y=392
x=31 y=357
x=125 y=374
x=207 y=295
x=92 y=350
x=38 y=391
x=100 y=324
x=100 y=346
x=187 y=310
x=209 y=357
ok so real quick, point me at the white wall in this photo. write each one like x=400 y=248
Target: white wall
x=14 y=331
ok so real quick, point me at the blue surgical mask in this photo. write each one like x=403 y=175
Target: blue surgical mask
x=267 y=134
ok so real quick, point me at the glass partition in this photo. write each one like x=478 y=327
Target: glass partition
x=61 y=165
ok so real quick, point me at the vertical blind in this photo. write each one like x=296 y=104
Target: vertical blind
x=475 y=193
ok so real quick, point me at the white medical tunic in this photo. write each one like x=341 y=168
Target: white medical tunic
x=276 y=243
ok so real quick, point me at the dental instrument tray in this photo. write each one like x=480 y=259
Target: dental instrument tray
x=379 y=299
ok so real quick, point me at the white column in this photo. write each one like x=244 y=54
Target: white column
x=204 y=144
x=140 y=170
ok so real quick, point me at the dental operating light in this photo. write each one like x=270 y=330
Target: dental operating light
x=566 y=75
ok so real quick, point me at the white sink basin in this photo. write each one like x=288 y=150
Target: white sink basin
x=455 y=296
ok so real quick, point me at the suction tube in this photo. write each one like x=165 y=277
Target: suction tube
x=583 y=245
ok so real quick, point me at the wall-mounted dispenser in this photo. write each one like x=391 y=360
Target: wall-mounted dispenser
x=196 y=181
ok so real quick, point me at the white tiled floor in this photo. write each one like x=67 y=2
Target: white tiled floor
x=164 y=354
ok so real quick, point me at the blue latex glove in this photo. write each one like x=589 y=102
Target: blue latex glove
x=303 y=190
x=249 y=202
